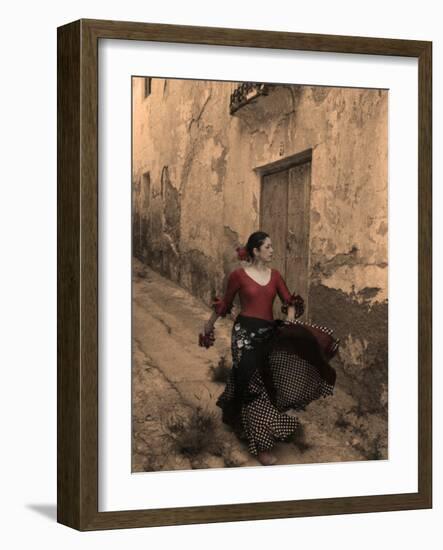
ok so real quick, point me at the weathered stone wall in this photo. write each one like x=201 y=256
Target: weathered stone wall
x=347 y=129
x=202 y=199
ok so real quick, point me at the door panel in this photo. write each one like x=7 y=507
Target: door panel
x=274 y=199
x=297 y=248
x=285 y=207
x=274 y=215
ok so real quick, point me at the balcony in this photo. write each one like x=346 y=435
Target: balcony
x=247 y=93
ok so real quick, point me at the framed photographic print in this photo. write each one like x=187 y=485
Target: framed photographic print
x=244 y=274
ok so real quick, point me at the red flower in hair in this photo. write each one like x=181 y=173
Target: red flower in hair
x=242 y=253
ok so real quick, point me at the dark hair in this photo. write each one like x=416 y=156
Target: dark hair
x=255 y=241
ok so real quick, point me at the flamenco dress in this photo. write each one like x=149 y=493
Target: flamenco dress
x=276 y=366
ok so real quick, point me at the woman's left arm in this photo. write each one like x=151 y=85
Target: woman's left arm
x=286 y=297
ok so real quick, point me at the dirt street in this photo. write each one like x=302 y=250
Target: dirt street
x=176 y=424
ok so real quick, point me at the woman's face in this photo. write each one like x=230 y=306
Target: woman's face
x=264 y=253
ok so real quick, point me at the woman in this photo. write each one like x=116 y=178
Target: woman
x=276 y=365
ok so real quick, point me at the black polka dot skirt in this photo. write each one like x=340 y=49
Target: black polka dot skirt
x=271 y=375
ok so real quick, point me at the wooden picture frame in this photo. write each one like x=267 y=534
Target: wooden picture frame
x=77 y=385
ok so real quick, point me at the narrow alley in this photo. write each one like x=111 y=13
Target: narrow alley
x=173 y=382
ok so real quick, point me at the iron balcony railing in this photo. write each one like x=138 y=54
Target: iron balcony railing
x=246 y=93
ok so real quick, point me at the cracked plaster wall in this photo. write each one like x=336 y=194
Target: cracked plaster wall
x=204 y=199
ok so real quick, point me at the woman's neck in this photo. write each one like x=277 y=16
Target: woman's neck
x=259 y=265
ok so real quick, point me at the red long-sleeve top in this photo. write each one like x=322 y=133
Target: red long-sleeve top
x=256 y=300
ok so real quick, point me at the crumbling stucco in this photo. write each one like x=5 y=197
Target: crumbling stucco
x=203 y=200
x=362 y=327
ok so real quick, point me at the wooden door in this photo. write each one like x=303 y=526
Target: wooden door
x=285 y=204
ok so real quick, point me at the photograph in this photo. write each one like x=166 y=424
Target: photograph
x=220 y=288
x=259 y=274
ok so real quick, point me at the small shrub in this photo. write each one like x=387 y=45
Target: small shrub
x=195 y=434
x=220 y=373
x=342 y=423
x=358 y=410
x=152 y=463
x=231 y=462
x=139 y=270
x=155 y=458
x=298 y=439
x=375 y=451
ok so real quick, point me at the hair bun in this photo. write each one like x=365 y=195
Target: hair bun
x=242 y=253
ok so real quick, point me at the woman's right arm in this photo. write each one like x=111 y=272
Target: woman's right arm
x=209 y=325
x=223 y=306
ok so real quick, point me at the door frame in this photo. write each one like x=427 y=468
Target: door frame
x=281 y=165
x=284 y=163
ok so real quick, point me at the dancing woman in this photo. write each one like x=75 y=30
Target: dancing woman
x=276 y=365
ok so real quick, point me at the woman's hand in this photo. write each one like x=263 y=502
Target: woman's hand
x=207 y=338
x=299 y=306
x=208 y=327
